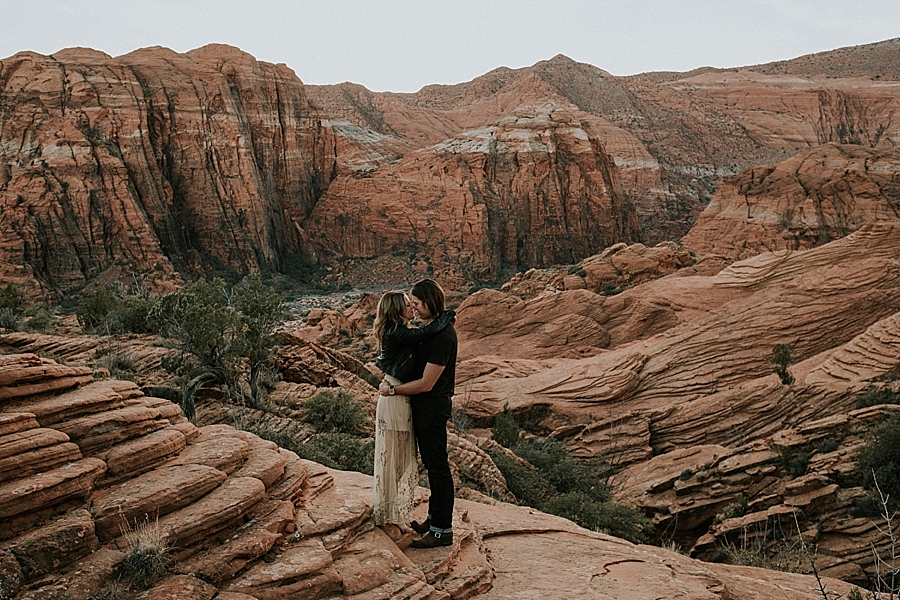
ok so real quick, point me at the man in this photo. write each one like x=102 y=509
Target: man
x=430 y=400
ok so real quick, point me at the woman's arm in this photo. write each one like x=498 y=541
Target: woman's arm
x=404 y=336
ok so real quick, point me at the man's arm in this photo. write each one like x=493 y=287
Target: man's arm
x=418 y=386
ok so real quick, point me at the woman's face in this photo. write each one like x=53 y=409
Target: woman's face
x=409 y=312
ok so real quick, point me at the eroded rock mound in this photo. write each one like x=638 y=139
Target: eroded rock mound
x=246 y=520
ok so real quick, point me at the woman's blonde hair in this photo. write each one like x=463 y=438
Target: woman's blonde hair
x=389 y=313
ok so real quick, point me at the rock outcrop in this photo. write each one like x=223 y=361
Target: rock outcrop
x=817 y=196
x=168 y=164
x=706 y=348
x=246 y=520
x=153 y=162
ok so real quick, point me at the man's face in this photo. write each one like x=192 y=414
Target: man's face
x=420 y=307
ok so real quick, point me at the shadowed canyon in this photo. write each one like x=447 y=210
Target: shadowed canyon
x=623 y=253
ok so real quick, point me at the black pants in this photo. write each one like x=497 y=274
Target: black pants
x=430 y=426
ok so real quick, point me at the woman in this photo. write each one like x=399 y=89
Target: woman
x=396 y=472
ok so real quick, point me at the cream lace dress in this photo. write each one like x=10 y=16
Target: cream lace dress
x=396 y=471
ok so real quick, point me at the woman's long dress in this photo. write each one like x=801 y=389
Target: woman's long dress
x=396 y=470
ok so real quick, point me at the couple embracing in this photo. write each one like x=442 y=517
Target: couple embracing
x=414 y=404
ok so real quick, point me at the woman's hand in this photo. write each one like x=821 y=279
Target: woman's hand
x=384 y=388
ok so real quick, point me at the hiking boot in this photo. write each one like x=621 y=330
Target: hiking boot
x=421 y=528
x=433 y=540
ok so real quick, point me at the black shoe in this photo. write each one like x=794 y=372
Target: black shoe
x=433 y=540
x=421 y=528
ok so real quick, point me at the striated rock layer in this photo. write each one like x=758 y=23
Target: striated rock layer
x=168 y=164
x=246 y=520
x=691 y=361
x=152 y=162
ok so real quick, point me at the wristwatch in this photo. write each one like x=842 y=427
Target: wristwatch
x=392 y=392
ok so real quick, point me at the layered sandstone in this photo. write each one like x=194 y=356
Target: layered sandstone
x=248 y=520
x=268 y=525
x=817 y=196
x=152 y=162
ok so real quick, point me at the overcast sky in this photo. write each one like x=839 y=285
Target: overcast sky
x=402 y=45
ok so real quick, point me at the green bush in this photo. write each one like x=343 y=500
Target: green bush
x=10 y=320
x=529 y=486
x=736 y=508
x=98 y=312
x=879 y=459
x=565 y=472
x=874 y=396
x=614 y=519
x=335 y=411
x=225 y=333
x=12 y=298
x=43 y=321
x=505 y=430
x=782 y=356
x=795 y=460
x=334 y=450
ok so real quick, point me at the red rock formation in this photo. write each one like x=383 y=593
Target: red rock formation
x=152 y=162
x=817 y=196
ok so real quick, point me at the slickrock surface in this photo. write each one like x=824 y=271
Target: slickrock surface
x=281 y=527
x=688 y=492
x=717 y=359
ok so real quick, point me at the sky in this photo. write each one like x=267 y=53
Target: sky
x=403 y=45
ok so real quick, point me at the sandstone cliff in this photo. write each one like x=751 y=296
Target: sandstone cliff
x=166 y=164
x=153 y=162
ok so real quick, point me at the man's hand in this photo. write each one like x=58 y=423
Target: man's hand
x=384 y=388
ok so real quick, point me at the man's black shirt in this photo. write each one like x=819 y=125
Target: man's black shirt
x=439 y=350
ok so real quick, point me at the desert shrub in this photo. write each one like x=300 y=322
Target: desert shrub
x=340 y=451
x=334 y=450
x=614 y=519
x=874 y=396
x=577 y=270
x=335 y=411
x=225 y=334
x=608 y=289
x=795 y=460
x=134 y=313
x=782 y=356
x=686 y=474
x=12 y=298
x=867 y=506
x=148 y=557
x=505 y=430
x=529 y=486
x=736 y=508
x=113 y=592
x=565 y=472
x=119 y=365
x=43 y=321
x=10 y=320
x=827 y=445
x=98 y=311
x=879 y=459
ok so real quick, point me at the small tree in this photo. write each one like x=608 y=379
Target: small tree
x=783 y=355
x=505 y=430
x=12 y=307
x=227 y=331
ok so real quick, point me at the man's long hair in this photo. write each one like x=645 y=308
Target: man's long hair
x=430 y=293
x=389 y=314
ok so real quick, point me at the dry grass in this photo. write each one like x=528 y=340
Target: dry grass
x=148 y=558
